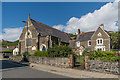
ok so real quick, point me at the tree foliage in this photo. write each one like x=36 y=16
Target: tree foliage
x=9 y=43
x=115 y=39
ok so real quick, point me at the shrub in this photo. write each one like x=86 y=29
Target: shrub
x=25 y=53
x=40 y=53
x=103 y=55
x=59 y=51
x=7 y=51
x=18 y=55
x=56 y=51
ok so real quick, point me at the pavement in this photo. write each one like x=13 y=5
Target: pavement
x=73 y=73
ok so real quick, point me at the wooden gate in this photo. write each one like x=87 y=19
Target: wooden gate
x=80 y=62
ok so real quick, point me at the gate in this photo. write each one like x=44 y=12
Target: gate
x=79 y=62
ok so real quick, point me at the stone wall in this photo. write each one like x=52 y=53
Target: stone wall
x=58 y=62
x=103 y=66
x=15 y=58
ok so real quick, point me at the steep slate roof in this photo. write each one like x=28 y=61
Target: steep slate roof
x=45 y=30
x=85 y=36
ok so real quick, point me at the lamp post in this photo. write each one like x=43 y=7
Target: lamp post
x=26 y=40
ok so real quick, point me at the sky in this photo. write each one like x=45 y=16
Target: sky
x=65 y=16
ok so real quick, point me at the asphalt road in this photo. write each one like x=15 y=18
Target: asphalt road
x=13 y=70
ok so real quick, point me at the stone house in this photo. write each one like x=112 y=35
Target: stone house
x=39 y=36
x=92 y=40
x=16 y=51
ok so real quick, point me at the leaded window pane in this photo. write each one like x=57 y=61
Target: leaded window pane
x=28 y=42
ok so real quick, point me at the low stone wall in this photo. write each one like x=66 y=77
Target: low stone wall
x=15 y=58
x=103 y=66
x=58 y=62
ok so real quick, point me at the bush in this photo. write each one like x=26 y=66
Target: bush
x=24 y=54
x=7 y=51
x=59 y=51
x=18 y=55
x=40 y=53
x=103 y=55
x=56 y=51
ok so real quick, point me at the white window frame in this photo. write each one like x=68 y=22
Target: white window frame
x=99 y=39
x=88 y=43
x=100 y=47
x=77 y=43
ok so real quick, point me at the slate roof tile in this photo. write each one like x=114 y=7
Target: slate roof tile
x=45 y=30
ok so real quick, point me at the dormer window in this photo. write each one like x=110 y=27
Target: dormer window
x=99 y=41
x=89 y=43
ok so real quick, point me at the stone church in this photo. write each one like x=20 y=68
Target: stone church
x=39 y=36
x=91 y=41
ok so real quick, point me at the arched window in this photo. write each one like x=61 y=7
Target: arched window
x=44 y=48
x=28 y=38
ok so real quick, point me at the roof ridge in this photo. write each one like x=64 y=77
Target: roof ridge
x=49 y=26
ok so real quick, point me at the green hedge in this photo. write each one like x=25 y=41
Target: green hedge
x=57 y=51
x=7 y=51
x=40 y=53
x=103 y=55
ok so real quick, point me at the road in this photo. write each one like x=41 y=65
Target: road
x=13 y=70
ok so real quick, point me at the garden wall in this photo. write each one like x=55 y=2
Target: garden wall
x=58 y=62
x=103 y=66
x=15 y=58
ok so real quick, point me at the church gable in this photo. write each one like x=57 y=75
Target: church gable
x=31 y=29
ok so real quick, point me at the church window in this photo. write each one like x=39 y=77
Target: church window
x=28 y=39
x=44 y=48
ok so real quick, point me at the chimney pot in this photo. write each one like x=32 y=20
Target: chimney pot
x=102 y=26
x=78 y=31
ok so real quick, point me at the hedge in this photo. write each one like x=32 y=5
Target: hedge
x=56 y=51
x=103 y=55
x=59 y=51
x=7 y=51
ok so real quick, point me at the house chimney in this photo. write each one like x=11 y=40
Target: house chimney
x=78 y=31
x=102 y=26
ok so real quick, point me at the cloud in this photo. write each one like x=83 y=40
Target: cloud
x=60 y=27
x=11 y=34
x=107 y=15
x=117 y=0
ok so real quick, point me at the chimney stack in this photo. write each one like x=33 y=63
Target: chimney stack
x=102 y=26
x=78 y=31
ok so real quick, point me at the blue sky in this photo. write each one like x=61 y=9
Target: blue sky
x=66 y=16
x=49 y=13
